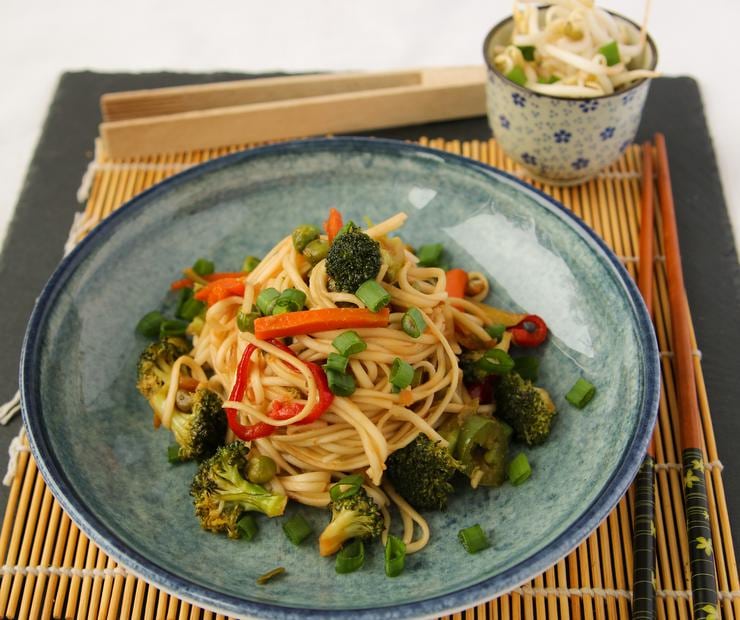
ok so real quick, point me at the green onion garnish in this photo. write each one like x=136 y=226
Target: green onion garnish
x=266 y=300
x=316 y=251
x=418 y=376
x=247 y=525
x=527 y=367
x=527 y=51
x=336 y=362
x=402 y=373
x=172 y=327
x=173 y=454
x=190 y=309
x=283 y=305
x=495 y=331
x=297 y=529
x=303 y=235
x=548 y=80
x=350 y=557
x=395 y=556
x=245 y=321
x=373 y=295
x=340 y=384
x=203 y=267
x=263 y=579
x=250 y=263
x=293 y=296
x=346 y=487
x=413 y=322
x=517 y=75
x=495 y=362
x=581 y=393
x=610 y=51
x=149 y=324
x=473 y=539
x=349 y=343
x=519 y=469
x=430 y=255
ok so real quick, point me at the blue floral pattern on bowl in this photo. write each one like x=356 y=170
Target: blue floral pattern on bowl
x=559 y=139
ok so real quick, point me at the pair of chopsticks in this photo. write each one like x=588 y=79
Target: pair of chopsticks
x=187 y=118
x=701 y=555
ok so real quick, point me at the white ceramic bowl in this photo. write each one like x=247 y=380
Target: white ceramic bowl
x=562 y=140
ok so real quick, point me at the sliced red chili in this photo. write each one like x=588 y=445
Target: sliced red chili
x=531 y=331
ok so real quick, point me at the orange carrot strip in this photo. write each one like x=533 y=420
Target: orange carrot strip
x=220 y=289
x=457 y=280
x=333 y=225
x=184 y=283
x=322 y=319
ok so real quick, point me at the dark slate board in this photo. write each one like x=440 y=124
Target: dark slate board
x=47 y=204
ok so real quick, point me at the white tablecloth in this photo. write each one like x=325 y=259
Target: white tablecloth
x=39 y=40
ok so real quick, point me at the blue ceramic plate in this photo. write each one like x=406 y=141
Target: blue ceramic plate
x=92 y=436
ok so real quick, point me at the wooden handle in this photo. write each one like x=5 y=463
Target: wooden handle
x=643 y=588
x=189 y=118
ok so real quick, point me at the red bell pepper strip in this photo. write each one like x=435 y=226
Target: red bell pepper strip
x=531 y=331
x=280 y=410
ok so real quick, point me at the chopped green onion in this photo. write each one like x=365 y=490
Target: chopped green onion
x=250 y=264
x=349 y=343
x=190 y=309
x=517 y=75
x=266 y=300
x=284 y=305
x=402 y=373
x=316 y=251
x=418 y=375
x=173 y=454
x=261 y=469
x=149 y=324
x=373 y=295
x=171 y=327
x=263 y=579
x=430 y=255
x=519 y=469
x=297 y=529
x=293 y=296
x=495 y=362
x=245 y=321
x=350 y=557
x=303 y=235
x=353 y=482
x=581 y=393
x=203 y=267
x=548 y=80
x=610 y=51
x=395 y=556
x=336 y=362
x=413 y=322
x=495 y=331
x=340 y=384
x=527 y=51
x=247 y=525
x=473 y=539
x=184 y=295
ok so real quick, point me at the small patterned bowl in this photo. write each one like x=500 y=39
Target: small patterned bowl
x=561 y=140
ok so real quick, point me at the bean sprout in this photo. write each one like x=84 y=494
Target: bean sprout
x=574 y=49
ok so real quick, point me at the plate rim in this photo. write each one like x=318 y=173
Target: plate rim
x=141 y=566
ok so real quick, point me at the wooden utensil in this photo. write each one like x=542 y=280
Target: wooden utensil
x=643 y=588
x=194 y=117
x=701 y=552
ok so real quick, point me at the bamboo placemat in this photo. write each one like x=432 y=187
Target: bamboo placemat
x=51 y=569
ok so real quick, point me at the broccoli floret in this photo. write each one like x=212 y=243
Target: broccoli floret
x=200 y=432
x=155 y=368
x=222 y=494
x=421 y=473
x=357 y=516
x=527 y=408
x=353 y=258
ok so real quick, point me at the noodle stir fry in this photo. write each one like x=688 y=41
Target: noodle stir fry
x=573 y=49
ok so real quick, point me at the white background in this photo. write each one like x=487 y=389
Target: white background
x=39 y=40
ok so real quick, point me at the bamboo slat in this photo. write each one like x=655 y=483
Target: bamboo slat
x=52 y=570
